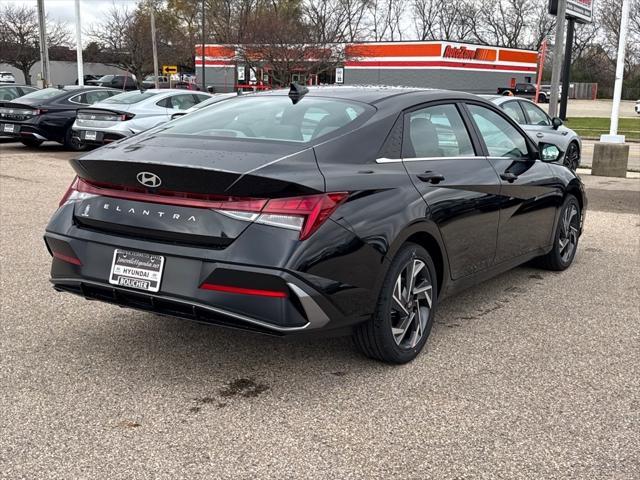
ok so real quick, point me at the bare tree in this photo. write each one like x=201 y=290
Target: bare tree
x=20 y=40
x=125 y=37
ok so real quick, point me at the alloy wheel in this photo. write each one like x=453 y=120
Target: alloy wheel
x=411 y=304
x=568 y=232
x=572 y=157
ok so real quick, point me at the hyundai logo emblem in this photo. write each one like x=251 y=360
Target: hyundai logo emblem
x=149 y=179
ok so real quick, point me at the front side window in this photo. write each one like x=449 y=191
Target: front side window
x=501 y=138
x=514 y=111
x=535 y=114
x=436 y=131
x=270 y=117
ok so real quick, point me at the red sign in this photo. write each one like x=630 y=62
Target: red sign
x=464 y=53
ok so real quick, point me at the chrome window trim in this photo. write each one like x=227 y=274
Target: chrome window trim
x=420 y=159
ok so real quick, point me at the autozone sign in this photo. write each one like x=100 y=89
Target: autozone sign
x=464 y=53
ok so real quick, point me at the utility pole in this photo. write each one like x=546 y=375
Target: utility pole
x=79 y=46
x=617 y=88
x=155 y=49
x=44 y=50
x=204 y=84
x=557 y=58
x=566 y=72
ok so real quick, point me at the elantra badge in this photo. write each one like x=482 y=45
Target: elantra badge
x=149 y=179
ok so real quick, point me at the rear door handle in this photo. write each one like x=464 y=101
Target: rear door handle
x=430 y=177
x=509 y=177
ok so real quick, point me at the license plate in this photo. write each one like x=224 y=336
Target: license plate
x=142 y=271
x=90 y=135
x=8 y=127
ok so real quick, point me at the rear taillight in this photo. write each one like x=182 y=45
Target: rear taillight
x=304 y=214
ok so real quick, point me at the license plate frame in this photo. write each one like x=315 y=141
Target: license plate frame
x=91 y=135
x=136 y=270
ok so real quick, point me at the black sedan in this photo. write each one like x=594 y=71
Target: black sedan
x=343 y=210
x=48 y=114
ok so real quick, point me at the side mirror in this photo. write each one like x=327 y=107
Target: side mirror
x=549 y=153
x=556 y=122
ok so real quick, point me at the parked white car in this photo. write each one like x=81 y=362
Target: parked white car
x=132 y=112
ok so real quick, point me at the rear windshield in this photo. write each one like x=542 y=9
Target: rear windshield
x=270 y=118
x=130 y=97
x=44 y=93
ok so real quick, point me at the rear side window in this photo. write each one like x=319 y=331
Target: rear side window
x=130 y=98
x=514 y=111
x=501 y=138
x=9 y=93
x=436 y=131
x=181 y=102
x=271 y=117
x=535 y=114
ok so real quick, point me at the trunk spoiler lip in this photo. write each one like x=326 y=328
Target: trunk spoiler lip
x=102 y=111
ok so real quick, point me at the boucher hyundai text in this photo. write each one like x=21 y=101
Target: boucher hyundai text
x=349 y=210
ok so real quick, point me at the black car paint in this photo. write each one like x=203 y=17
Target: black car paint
x=473 y=223
x=57 y=118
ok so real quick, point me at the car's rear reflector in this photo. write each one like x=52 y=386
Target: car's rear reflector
x=243 y=291
x=304 y=213
x=66 y=258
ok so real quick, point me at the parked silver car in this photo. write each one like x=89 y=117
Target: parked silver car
x=542 y=128
x=132 y=112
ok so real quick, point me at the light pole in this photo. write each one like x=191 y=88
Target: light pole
x=617 y=87
x=44 y=50
x=79 y=46
x=557 y=58
x=155 y=49
x=204 y=84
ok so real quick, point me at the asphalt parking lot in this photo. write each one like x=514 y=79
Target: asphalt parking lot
x=532 y=374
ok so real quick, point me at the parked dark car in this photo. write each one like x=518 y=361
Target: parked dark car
x=526 y=90
x=121 y=82
x=88 y=78
x=343 y=210
x=11 y=92
x=48 y=114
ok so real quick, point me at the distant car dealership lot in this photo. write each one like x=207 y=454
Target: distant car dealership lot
x=531 y=375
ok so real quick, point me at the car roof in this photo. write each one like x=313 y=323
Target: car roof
x=374 y=94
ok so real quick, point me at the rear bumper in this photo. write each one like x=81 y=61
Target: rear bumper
x=26 y=130
x=304 y=309
x=103 y=134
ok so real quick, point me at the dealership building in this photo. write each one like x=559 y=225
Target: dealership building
x=429 y=64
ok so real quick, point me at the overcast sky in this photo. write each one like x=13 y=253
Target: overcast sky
x=64 y=10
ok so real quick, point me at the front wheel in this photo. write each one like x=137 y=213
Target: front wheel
x=566 y=239
x=404 y=313
x=572 y=157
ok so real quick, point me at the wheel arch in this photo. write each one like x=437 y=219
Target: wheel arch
x=427 y=235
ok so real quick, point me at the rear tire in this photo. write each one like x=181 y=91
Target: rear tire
x=566 y=238
x=72 y=142
x=404 y=313
x=31 y=142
